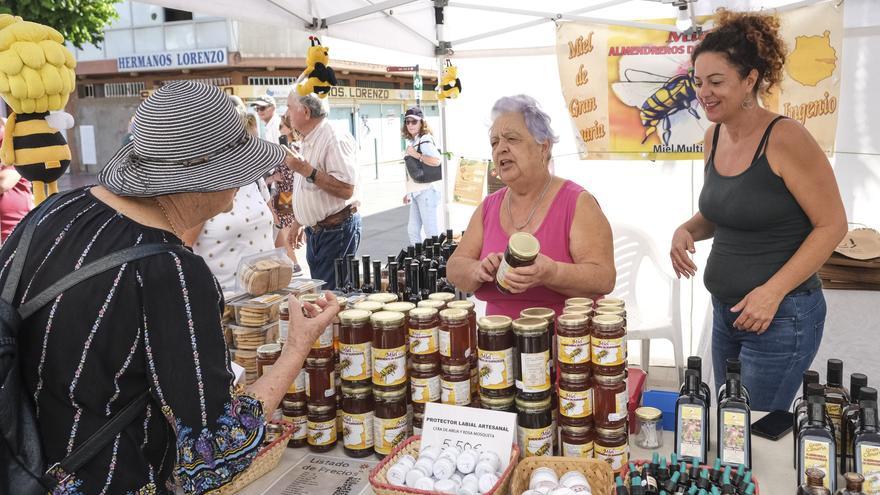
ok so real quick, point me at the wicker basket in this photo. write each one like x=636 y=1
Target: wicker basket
x=598 y=473
x=638 y=462
x=266 y=460
x=380 y=484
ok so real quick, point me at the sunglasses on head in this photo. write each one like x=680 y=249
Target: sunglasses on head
x=411 y=121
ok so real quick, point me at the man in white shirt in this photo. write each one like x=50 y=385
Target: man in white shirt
x=265 y=107
x=323 y=187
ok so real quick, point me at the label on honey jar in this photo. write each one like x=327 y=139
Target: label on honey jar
x=424 y=341
x=608 y=352
x=355 y=361
x=615 y=456
x=573 y=350
x=535 y=370
x=325 y=339
x=387 y=433
x=425 y=389
x=357 y=430
x=496 y=369
x=389 y=366
x=300 y=426
x=299 y=383
x=576 y=404
x=322 y=432
x=455 y=393
x=575 y=450
x=535 y=441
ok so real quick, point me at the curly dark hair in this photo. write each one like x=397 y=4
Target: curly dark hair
x=749 y=40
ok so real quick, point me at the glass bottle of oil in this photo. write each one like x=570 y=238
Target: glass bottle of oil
x=691 y=422
x=866 y=442
x=734 y=426
x=800 y=409
x=814 y=484
x=732 y=365
x=849 y=419
x=836 y=397
x=816 y=445
x=854 y=482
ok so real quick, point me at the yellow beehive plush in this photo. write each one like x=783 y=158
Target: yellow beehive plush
x=36 y=79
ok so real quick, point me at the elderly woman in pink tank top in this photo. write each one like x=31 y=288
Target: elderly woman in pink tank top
x=577 y=252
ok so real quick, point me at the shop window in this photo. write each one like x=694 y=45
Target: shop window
x=363 y=83
x=172 y=15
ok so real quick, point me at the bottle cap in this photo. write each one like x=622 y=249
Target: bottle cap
x=695 y=363
x=733 y=365
x=834 y=374
x=856 y=382
x=815 y=389
x=868 y=393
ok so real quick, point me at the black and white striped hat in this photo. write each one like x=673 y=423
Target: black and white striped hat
x=188 y=137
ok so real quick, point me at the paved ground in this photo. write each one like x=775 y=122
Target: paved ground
x=384 y=215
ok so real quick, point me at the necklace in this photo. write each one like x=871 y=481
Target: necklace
x=167 y=218
x=534 y=208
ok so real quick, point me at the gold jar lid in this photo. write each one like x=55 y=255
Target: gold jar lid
x=572 y=320
x=371 y=306
x=382 y=297
x=268 y=349
x=576 y=430
x=456 y=368
x=612 y=432
x=311 y=297
x=400 y=306
x=319 y=362
x=577 y=310
x=529 y=326
x=428 y=367
x=350 y=316
x=575 y=377
x=579 y=301
x=611 y=301
x=441 y=296
x=387 y=318
x=609 y=379
x=431 y=303
x=390 y=395
x=356 y=390
x=322 y=408
x=524 y=246
x=545 y=313
x=649 y=413
x=423 y=313
x=497 y=402
x=611 y=310
x=453 y=314
x=607 y=321
x=525 y=404
x=466 y=305
x=494 y=323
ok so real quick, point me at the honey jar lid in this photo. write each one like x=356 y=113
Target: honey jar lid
x=574 y=377
x=268 y=349
x=524 y=245
x=318 y=408
x=545 y=313
x=356 y=389
x=609 y=379
x=441 y=296
x=572 y=320
x=387 y=318
x=540 y=404
x=350 y=316
x=400 y=306
x=607 y=320
x=523 y=326
x=503 y=402
x=611 y=301
x=371 y=306
x=454 y=314
x=578 y=301
x=383 y=297
x=648 y=413
x=431 y=303
x=311 y=298
x=466 y=305
x=577 y=310
x=393 y=394
x=611 y=310
x=423 y=313
x=494 y=322
x=611 y=432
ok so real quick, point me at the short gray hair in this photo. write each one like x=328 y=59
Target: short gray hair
x=318 y=107
x=537 y=121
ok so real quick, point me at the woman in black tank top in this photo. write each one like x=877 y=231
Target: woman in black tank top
x=775 y=219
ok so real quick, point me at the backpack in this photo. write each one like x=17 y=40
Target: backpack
x=22 y=462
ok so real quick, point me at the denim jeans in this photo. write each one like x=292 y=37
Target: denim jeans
x=423 y=213
x=323 y=246
x=772 y=363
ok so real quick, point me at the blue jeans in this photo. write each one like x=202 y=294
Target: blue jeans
x=772 y=363
x=423 y=213
x=323 y=246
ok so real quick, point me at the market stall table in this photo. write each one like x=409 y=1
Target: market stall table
x=771 y=461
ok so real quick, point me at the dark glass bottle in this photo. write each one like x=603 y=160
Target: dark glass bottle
x=696 y=363
x=866 y=441
x=339 y=274
x=431 y=285
x=413 y=293
x=734 y=426
x=410 y=252
x=850 y=419
x=691 y=422
x=393 y=286
x=732 y=365
x=367 y=287
x=354 y=270
x=377 y=276
x=816 y=445
x=836 y=397
x=800 y=409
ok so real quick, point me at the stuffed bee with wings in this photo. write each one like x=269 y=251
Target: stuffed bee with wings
x=36 y=79
x=450 y=84
x=318 y=77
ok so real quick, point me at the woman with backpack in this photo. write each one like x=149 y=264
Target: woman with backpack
x=423 y=198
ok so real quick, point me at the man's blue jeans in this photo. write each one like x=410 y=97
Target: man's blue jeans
x=323 y=246
x=772 y=363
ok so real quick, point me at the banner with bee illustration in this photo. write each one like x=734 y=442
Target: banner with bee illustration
x=630 y=92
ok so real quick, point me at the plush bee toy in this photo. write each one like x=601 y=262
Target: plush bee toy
x=450 y=84
x=318 y=78
x=36 y=78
